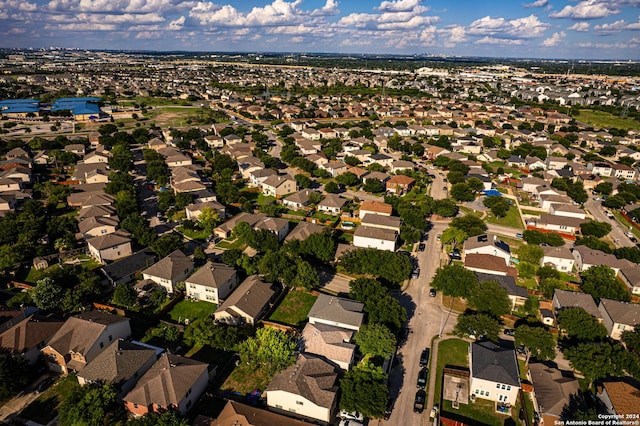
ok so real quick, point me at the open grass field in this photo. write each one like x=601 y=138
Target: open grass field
x=606 y=120
x=294 y=308
x=191 y=310
x=512 y=219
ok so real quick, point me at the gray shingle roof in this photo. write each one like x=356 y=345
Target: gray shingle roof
x=212 y=275
x=118 y=362
x=495 y=363
x=170 y=266
x=337 y=309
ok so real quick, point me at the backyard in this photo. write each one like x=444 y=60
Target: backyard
x=245 y=379
x=190 y=310
x=45 y=407
x=512 y=219
x=294 y=308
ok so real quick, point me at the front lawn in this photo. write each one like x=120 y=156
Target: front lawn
x=450 y=352
x=191 y=310
x=231 y=244
x=194 y=234
x=294 y=308
x=512 y=219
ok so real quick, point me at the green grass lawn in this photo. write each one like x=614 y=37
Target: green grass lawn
x=450 y=352
x=245 y=379
x=294 y=308
x=469 y=211
x=231 y=244
x=512 y=219
x=604 y=119
x=194 y=234
x=45 y=407
x=191 y=310
x=626 y=224
x=531 y=212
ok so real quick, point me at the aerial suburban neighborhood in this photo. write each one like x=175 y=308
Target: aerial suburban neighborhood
x=248 y=240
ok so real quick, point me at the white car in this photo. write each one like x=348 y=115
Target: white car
x=345 y=415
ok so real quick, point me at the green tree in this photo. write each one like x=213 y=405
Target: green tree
x=166 y=418
x=538 y=342
x=332 y=187
x=271 y=349
x=379 y=305
x=445 y=207
x=580 y=325
x=167 y=244
x=632 y=254
x=600 y=282
x=89 y=405
x=491 y=298
x=549 y=285
x=595 y=360
x=364 y=390
x=208 y=219
x=125 y=295
x=348 y=179
x=392 y=267
x=594 y=228
x=537 y=238
x=594 y=243
x=462 y=192
x=471 y=225
x=530 y=253
x=454 y=280
x=121 y=158
x=47 y=294
x=376 y=340
x=322 y=246
x=13 y=374
x=373 y=186
x=604 y=188
x=499 y=206
x=453 y=236
x=306 y=275
x=477 y=325
x=303 y=181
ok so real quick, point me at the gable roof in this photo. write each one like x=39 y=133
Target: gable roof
x=554 y=387
x=337 y=309
x=311 y=378
x=102 y=242
x=621 y=312
x=376 y=207
x=304 y=230
x=376 y=233
x=624 y=396
x=212 y=275
x=486 y=240
x=333 y=201
x=118 y=362
x=494 y=363
x=29 y=332
x=80 y=332
x=170 y=266
x=570 y=299
x=167 y=381
x=506 y=282
x=250 y=297
x=485 y=262
x=561 y=252
x=237 y=414
x=328 y=341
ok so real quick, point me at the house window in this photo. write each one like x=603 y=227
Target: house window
x=504 y=398
x=508 y=388
x=110 y=337
x=482 y=392
x=299 y=402
x=498 y=386
x=477 y=391
x=503 y=387
x=188 y=392
x=487 y=394
x=620 y=327
x=101 y=345
x=279 y=406
x=500 y=398
x=135 y=405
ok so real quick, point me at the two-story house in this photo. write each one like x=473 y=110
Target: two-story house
x=212 y=282
x=494 y=372
x=169 y=270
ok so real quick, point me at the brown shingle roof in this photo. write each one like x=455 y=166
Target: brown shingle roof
x=250 y=297
x=624 y=397
x=118 y=362
x=170 y=266
x=485 y=261
x=167 y=381
x=29 y=333
x=80 y=332
x=236 y=414
x=311 y=378
x=212 y=275
x=376 y=207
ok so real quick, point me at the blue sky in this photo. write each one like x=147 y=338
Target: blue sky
x=570 y=29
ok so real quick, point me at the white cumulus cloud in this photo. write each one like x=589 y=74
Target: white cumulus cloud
x=527 y=27
x=580 y=27
x=588 y=9
x=555 y=39
x=537 y=3
x=495 y=40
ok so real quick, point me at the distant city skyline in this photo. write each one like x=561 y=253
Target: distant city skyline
x=558 y=29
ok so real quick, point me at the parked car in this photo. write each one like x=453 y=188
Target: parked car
x=418 y=402
x=416 y=273
x=351 y=416
x=424 y=358
x=432 y=292
x=509 y=331
x=455 y=255
x=44 y=385
x=518 y=235
x=422 y=378
x=387 y=411
x=421 y=246
x=434 y=412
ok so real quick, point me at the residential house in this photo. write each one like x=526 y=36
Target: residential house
x=99 y=225
x=381 y=176
x=375 y=208
x=586 y=258
x=169 y=270
x=561 y=224
x=517 y=295
x=212 y=282
x=277 y=186
x=109 y=247
x=194 y=210
x=620 y=397
x=172 y=383
x=334 y=168
x=556 y=163
x=309 y=388
x=259 y=175
x=549 y=198
x=27 y=333
x=494 y=372
x=383 y=222
x=337 y=312
x=572 y=299
x=375 y=237
x=630 y=276
x=624 y=172
x=333 y=344
x=332 y=204
x=553 y=391
x=488 y=244
x=382 y=159
x=237 y=414
x=124 y=270
x=247 y=303
x=121 y=364
x=400 y=184
x=81 y=338
x=278 y=227
x=400 y=165
x=487 y=263
x=304 y=230
x=618 y=317
x=567 y=210
x=560 y=258
x=298 y=200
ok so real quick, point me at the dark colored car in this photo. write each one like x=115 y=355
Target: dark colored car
x=421 y=247
x=432 y=292
x=422 y=378
x=418 y=403
x=389 y=409
x=45 y=384
x=424 y=358
x=509 y=331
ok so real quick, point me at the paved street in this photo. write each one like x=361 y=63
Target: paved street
x=617 y=230
x=426 y=318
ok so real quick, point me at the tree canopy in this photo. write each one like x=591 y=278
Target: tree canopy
x=477 y=325
x=490 y=298
x=379 y=305
x=376 y=340
x=271 y=349
x=470 y=225
x=455 y=280
x=363 y=390
x=580 y=325
x=594 y=228
x=392 y=267
x=13 y=374
x=537 y=340
x=600 y=282
x=88 y=405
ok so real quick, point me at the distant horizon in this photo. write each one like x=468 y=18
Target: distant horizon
x=426 y=56
x=568 y=29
